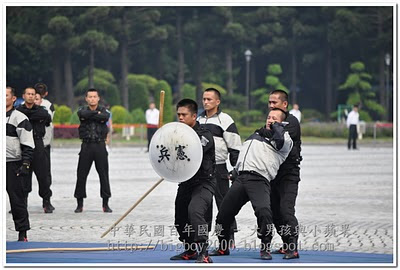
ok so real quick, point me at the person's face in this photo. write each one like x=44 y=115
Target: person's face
x=273 y=116
x=355 y=109
x=92 y=98
x=296 y=107
x=38 y=99
x=152 y=106
x=186 y=117
x=276 y=102
x=10 y=99
x=29 y=96
x=210 y=100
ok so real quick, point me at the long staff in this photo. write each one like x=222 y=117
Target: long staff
x=160 y=123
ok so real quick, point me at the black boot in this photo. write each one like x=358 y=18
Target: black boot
x=47 y=207
x=265 y=251
x=188 y=254
x=22 y=237
x=106 y=208
x=203 y=256
x=79 y=208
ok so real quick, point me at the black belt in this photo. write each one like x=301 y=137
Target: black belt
x=250 y=172
x=92 y=141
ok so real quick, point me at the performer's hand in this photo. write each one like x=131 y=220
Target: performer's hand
x=24 y=169
x=232 y=175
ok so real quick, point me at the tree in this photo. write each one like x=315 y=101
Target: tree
x=61 y=40
x=105 y=84
x=272 y=82
x=133 y=26
x=359 y=90
x=94 y=38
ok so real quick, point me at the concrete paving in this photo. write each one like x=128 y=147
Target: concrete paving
x=345 y=202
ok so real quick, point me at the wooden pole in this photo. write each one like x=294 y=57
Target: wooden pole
x=160 y=123
x=111 y=248
x=161 y=116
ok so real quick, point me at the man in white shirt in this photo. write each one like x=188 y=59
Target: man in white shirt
x=296 y=112
x=152 y=115
x=352 y=122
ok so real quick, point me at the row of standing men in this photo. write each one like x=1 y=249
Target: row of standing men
x=227 y=143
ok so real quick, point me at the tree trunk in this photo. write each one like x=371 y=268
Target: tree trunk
x=229 y=73
x=91 y=67
x=328 y=86
x=382 y=92
x=337 y=78
x=124 y=74
x=160 y=64
x=181 y=57
x=199 y=73
x=57 y=79
x=69 y=80
x=294 y=73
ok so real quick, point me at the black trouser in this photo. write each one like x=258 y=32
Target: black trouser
x=221 y=190
x=191 y=205
x=247 y=187
x=16 y=187
x=150 y=133
x=39 y=166
x=283 y=200
x=352 y=136
x=47 y=149
x=97 y=152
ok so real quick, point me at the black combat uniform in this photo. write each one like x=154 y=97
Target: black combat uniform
x=93 y=133
x=39 y=118
x=193 y=200
x=284 y=190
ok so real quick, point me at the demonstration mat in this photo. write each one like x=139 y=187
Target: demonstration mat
x=162 y=253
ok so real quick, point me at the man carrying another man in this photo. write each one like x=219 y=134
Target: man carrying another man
x=259 y=159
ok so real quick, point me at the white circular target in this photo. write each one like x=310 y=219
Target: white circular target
x=176 y=152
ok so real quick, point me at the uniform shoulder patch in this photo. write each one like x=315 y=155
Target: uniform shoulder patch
x=204 y=141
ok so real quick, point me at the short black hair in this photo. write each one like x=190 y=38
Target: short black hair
x=12 y=90
x=355 y=106
x=30 y=87
x=92 y=90
x=188 y=103
x=211 y=89
x=283 y=95
x=285 y=114
x=41 y=88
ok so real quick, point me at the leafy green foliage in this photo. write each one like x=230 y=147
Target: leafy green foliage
x=138 y=94
x=138 y=116
x=189 y=91
x=104 y=82
x=149 y=81
x=62 y=114
x=120 y=115
x=74 y=118
x=213 y=85
x=359 y=91
x=311 y=115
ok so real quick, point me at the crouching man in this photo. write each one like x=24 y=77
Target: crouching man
x=258 y=163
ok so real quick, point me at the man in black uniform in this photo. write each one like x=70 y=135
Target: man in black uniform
x=93 y=133
x=194 y=197
x=19 y=154
x=286 y=183
x=39 y=119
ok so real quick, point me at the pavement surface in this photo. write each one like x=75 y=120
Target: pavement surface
x=345 y=202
